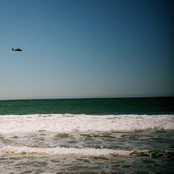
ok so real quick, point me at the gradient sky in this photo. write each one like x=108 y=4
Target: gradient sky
x=86 y=48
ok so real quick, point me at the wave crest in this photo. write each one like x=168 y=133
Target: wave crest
x=73 y=123
x=32 y=151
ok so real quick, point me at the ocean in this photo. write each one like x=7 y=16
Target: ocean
x=95 y=136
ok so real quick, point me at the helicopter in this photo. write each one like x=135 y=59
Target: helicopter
x=16 y=49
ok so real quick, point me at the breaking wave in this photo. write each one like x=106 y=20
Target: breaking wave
x=32 y=151
x=73 y=123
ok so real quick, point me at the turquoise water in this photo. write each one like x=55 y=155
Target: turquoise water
x=117 y=135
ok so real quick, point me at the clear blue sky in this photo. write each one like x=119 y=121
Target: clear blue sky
x=86 y=48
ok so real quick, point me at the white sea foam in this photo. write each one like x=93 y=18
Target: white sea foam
x=24 y=150
x=74 y=123
x=34 y=151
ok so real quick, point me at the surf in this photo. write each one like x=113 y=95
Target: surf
x=65 y=123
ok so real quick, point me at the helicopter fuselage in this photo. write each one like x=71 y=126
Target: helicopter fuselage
x=18 y=49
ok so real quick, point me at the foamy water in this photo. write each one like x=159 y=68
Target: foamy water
x=63 y=151
x=82 y=123
x=66 y=143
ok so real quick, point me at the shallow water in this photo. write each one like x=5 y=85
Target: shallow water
x=34 y=149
